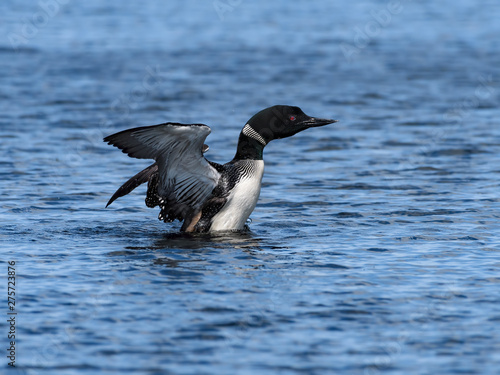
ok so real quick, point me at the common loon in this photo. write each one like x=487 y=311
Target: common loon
x=204 y=195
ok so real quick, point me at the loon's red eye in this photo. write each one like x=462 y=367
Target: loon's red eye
x=292 y=118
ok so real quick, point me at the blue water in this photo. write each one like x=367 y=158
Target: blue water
x=374 y=248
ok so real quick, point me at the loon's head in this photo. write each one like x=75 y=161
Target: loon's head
x=280 y=121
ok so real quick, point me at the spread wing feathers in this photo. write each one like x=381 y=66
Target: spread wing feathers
x=140 y=178
x=185 y=178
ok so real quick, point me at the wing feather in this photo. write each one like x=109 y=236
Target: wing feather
x=186 y=178
x=140 y=178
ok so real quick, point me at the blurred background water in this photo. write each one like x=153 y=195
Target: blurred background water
x=374 y=247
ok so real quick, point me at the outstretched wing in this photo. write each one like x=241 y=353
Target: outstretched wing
x=186 y=179
x=140 y=178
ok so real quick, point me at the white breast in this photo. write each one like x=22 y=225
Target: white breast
x=241 y=201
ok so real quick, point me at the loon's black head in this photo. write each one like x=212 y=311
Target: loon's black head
x=280 y=121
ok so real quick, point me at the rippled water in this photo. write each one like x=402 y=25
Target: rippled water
x=374 y=247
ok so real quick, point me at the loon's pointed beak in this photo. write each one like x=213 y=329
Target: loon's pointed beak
x=313 y=122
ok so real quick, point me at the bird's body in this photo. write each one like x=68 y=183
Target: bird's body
x=206 y=196
x=242 y=198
